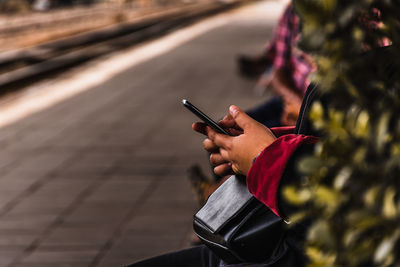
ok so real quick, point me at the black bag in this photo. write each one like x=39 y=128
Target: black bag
x=236 y=226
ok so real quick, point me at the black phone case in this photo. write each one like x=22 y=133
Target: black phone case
x=204 y=117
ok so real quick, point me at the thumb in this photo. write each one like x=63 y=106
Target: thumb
x=241 y=118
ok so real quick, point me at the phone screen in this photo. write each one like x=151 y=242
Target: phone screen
x=204 y=117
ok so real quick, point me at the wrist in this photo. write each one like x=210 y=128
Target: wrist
x=251 y=162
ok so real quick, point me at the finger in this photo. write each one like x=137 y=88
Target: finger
x=235 y=132
x=220 y=140
x=199 y=127
x=210 y=146
x=235 y=169
x=223 y=170
x=230 y=126
x=224 y=154
x=216 y=159
x=227 y=122
x=227 y=117
x=241 y=118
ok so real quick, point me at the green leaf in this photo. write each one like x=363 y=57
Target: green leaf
x=362 y=124
x=298 y=216
x=395 y=149
x=342 y=177
x=320 y=234
x=317 y=115
x=389 y=206
x=331 y=199
x=363 y=220
x=360 y=155
x=318 y=258
x=382 y=131
x=296 y=196
x=309 y=165
x=351 y=236
x=371 y=196
x=385 y=249
x=358 y=35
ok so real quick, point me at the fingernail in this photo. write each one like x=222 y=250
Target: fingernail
x=233 y=109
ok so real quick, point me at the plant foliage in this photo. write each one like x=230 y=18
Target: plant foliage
x=351 y=187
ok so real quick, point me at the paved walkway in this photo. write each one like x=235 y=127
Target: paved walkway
x=99 y=179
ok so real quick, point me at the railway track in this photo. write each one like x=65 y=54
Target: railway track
x=22 y=67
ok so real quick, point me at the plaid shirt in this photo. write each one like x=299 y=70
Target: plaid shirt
x=283 y=53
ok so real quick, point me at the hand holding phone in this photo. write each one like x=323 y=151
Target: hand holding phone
x=204 y=117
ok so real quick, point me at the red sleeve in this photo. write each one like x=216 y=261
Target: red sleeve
x=279 y=131
x=267 y=170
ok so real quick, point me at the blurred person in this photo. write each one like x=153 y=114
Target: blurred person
x=286 y=70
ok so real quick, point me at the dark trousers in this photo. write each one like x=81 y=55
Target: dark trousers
x=199 y=256
x=268 y=113
x=288 y=255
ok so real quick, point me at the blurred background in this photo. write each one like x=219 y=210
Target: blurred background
x=95 y=143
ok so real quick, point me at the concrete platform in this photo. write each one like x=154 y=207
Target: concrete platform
x=98 y=176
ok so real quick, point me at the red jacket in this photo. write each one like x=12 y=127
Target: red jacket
x=266 y=172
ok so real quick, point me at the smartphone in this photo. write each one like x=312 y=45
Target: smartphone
x=204 y=117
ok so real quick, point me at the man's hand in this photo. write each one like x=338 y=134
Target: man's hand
x=235 y=152
x=222 y=167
